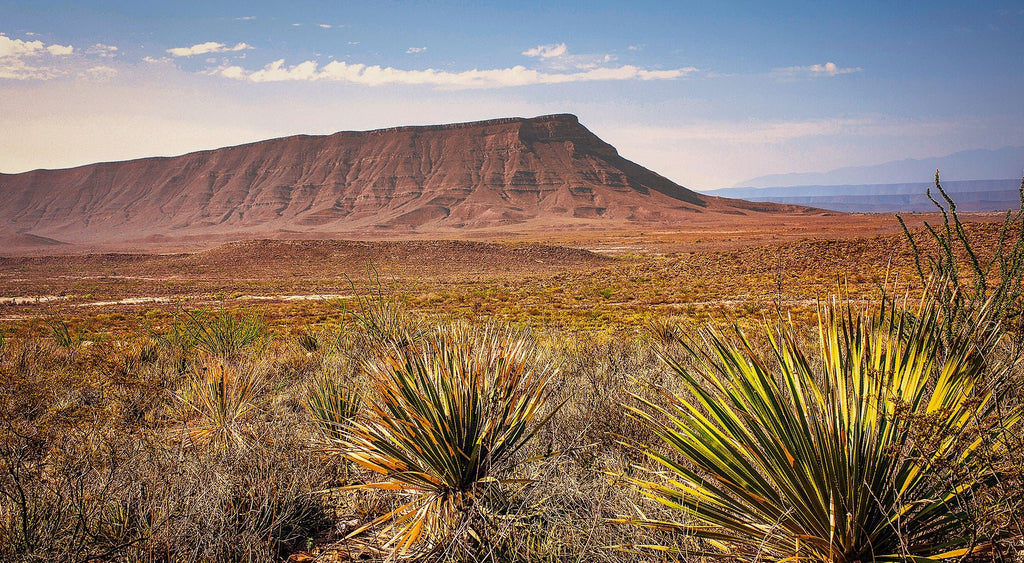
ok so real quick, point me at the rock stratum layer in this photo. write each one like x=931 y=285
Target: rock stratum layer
x=544 y=172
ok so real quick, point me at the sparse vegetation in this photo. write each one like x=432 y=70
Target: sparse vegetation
x=222 y=333
x=482 y=417
x=995 y=280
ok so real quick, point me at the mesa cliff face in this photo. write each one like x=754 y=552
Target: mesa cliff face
x=484 y=175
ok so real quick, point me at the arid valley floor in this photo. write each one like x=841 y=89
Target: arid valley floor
x=566 y=280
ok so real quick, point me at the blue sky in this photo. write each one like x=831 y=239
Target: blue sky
x=706 y=93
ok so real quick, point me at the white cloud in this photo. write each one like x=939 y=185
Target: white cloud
x=338 y=71
x=17 y=48
x=558 y=57
x=100 y=72
x=16 y=69
x=15 y=55
x=102 y=50
x=60 y=50
x=827 y=69
x=246 y=18
x=208 y=47
x=414 y=50
x=235 y=72
x=547 y=51
x=326 y=25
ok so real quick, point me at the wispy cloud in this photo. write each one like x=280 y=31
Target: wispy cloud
x=100 y=72
x=338 y=71
x=99 y=49
x=414 y=50
x=827 y=69
x=208 y=47
x=326 y=25
x=757 y=132
x=556 y=56
x=246 y=18
x=20 y=59
x=547 y=51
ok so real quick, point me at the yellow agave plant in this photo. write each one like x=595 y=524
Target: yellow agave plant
x=443 y=428
x=786 y=458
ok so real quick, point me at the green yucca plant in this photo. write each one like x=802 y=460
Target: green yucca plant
x=784 y=458
x=449 y=416
x=64 y=334
x=221 y=333
x=333 y=405
x=219 y=398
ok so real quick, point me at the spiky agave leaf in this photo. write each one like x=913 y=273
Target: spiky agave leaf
x=783 y=458
x=333 y=404
x=449 y=416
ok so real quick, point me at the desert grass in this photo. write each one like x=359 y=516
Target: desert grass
x=93 y=465
x=118 y=446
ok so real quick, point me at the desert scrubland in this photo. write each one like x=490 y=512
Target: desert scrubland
x=633 y=397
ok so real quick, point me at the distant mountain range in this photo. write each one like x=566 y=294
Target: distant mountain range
x=978 y=180
x=969 y=195
x=999 y=164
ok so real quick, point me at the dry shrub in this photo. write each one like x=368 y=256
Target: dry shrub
x=87 y=471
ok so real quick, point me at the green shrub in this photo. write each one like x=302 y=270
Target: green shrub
x=223 y=333
x=332 y=404
x=382 y=319
x=64 y=334
x=995 y=282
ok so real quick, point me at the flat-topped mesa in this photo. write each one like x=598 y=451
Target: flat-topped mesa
x=561 y=118
x=554 y=128
x=532 y=173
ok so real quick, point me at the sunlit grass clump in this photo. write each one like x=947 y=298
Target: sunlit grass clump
x=782 y=457
x=443 y=428
x=219 y=398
